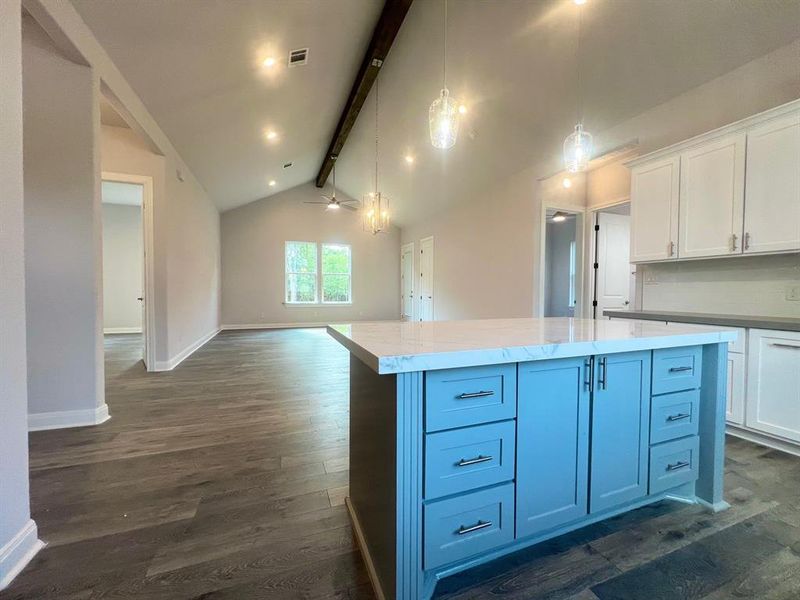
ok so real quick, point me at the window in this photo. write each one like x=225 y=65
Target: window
x=572 y=259
x=336 y=267
x=301 y=273
x=304 y=279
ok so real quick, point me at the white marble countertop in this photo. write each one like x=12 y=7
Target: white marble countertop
x=405 y=346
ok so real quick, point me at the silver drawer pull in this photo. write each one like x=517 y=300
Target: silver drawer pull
x=479 y=525
x=679 y=369
x=779 y=345
x=678 y=465
x=481 y=394
x=678 y=417
x=473 y=461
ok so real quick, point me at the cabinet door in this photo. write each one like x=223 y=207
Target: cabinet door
x=773 y=382
x=735 y=411
x=772 y=193
x=552 y=444
x=620 y=429
x=654 y=210
x=712 y=198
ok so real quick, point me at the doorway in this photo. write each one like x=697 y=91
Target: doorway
x=562 y=263
x=614 y=278
x=407 y=281
x=426 y=279
x=127 y=260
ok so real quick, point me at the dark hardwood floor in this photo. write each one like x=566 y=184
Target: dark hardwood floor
x=225 y=478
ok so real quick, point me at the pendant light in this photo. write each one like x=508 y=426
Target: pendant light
x=578 y=146
x=376 y=216
x=443 y=113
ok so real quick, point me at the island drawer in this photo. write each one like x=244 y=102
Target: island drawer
x=470 y=396
x=465 y=459
x=674 y=416
x=673 y=463
x=676 y=369
x=460 y=527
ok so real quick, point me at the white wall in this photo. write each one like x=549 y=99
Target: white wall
x=186 y=240
x=122 y=268
x=487 y=247
x=253 y=238
x=62 y=237
x=18 y=535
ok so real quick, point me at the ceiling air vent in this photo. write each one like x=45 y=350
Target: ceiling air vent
x=298 y=57
x=287 y=165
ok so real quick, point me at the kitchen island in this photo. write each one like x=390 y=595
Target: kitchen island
x=473 y=439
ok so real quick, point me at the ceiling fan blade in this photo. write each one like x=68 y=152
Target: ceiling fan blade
x=346 y=207
x=315 y=202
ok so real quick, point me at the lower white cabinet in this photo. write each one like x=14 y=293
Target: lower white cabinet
x=773 y=383
x=736 y=378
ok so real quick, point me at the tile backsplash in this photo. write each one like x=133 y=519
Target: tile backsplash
x=747 y=285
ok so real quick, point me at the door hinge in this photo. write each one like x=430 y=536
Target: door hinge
x=597 y=227
x=594 y=302
x=596 y=265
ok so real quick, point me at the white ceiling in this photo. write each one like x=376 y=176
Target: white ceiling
x=196 y=67
x=114 y=192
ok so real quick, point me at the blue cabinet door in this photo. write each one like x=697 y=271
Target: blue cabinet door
x=552 y=444
x=620 y=429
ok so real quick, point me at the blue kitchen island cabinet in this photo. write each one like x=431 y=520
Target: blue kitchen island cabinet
x=470 y=440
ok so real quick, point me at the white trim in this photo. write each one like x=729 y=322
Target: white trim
x=362 y=545
x=241 y=326
x=734 y=127
x=68 y=418
x=18 y=552
x=149 y=292
x=112 y=330
x=763 y=439
x=403 y=249
x=168 y=365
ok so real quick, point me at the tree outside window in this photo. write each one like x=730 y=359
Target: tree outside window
x=304 y=279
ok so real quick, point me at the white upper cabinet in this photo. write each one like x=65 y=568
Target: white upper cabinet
x=654 y=210
x=712 y=198
x=772 y=191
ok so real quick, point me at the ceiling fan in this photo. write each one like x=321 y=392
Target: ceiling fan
x=331 y=202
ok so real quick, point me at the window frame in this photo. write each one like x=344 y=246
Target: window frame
x=287 y=273
x=319 y=276
x=349 y=274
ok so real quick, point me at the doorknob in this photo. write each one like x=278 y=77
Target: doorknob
x=140 y=299
x=626 y=302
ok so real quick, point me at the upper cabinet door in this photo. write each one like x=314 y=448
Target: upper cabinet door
x=772 y=193
x=654 y=210
x=712 y=198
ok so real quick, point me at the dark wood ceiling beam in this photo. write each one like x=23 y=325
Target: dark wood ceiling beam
x=394 y=11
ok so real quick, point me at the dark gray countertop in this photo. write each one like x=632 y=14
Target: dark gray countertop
x=780 y=323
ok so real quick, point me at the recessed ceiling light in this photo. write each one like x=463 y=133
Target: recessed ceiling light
x=269 y=62
x=272 y=183
x=566 y=182
x=409 y=159
x=271 y=135
x=462 y=109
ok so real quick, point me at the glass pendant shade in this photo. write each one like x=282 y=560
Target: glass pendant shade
x=578 y=150
x=376 y=216
x=443 y=121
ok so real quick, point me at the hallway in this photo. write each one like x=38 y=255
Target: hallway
x=225 y=478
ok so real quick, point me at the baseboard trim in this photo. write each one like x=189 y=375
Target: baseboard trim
x=68 y=418
x=112 y=330
x=18 y=552
x=168 y=365
x=763 y=439
x=237 y=327
x=362 y=545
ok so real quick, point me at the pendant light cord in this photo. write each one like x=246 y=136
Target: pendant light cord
x=444 y=61
x=377 y=79
x=579 y=104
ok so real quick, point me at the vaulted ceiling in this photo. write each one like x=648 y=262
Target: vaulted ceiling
x=198 y=68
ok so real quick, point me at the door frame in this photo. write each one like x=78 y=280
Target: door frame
x=591 y=245
x=403 y=249
x=580 y=218
x=433 y=293
x=149 y=321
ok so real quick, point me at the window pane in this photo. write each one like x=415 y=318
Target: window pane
x=301 y=287
x=336 y=288
x=301 y=257
x=335 y=259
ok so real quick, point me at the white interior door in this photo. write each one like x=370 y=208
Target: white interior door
x=407 y=281
x=426 y=279
x=613 y=258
